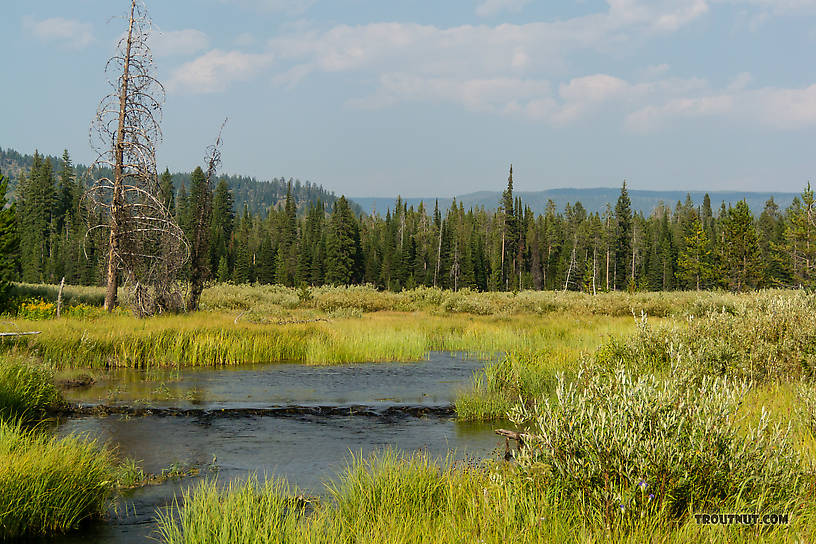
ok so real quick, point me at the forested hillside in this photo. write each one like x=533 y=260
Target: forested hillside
x=257 y=195
x=508 y=247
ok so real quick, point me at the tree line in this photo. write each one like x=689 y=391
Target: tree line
x=44 y=236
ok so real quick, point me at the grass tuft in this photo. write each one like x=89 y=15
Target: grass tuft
x=50 y=485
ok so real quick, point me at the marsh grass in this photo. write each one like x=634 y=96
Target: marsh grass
x=528 y=374
x=212 y=339
x=50 y=485
x=408 y=498
x=27 y=389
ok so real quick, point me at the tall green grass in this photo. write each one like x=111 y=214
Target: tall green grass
x=27 y=389
x=409 y=498
x=50 y=485
x=210 y=339
x=271 y=298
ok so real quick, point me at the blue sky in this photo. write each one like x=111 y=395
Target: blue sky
x=436 y=98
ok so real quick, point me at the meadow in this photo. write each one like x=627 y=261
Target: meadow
x=637 y=411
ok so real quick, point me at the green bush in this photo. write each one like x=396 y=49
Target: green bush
x=627 y=446
x=763 y=338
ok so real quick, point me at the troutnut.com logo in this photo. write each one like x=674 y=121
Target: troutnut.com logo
x=742 y=519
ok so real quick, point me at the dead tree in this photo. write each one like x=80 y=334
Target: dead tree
x=202 y=216
x=145 y=244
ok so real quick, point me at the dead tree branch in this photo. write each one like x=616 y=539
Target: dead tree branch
x=145 y=244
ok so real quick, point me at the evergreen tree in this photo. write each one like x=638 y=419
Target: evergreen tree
x=9 y=245
x=167 y=192
x=509 y=235
x=37 y=195
x=742 y=262
x=223 y=220
x=199 y=232
x=695 y=260
x=623 y=239
x=287 y=254
x=800 y=238
x=343 y=249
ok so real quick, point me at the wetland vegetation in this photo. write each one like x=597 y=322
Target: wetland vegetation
x=632 y=423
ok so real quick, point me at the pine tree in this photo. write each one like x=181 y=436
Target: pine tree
x=223 y=220
x=509 y=235
x=198 y=233
x=742 y=248
x=286 y=258
x=9 y=245
x=223 y=270
x=37 y=196
x=695 y=259
x=167 y=191
x=800 y=238
x=343 y=249
x=623 y=239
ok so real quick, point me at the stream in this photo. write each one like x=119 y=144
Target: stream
x=292 y=421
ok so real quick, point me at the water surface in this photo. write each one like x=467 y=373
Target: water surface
x=305 y=449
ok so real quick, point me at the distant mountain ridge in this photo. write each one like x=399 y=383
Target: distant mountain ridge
x=594 y=200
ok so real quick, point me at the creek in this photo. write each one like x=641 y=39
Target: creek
x=297 y=422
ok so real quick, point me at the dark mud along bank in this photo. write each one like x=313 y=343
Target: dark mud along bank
x=285 y=420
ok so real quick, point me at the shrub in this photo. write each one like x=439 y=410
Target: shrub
x=764 y=338
x=629 y=446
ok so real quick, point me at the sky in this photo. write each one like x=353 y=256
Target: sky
x=438 y=97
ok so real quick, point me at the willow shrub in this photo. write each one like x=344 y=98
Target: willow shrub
x=628 y=447
x=764 y=338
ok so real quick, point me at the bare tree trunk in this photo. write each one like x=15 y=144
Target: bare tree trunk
x=594 y=268
x=116 y=204
x=59 y=296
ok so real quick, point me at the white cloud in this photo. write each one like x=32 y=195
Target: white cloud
x=497 y=95
x=515 y=70
x=215 y=70
x=177 y=42
x=69 y=33
x=771 y=107
x=464 y=53
x=489 y=8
